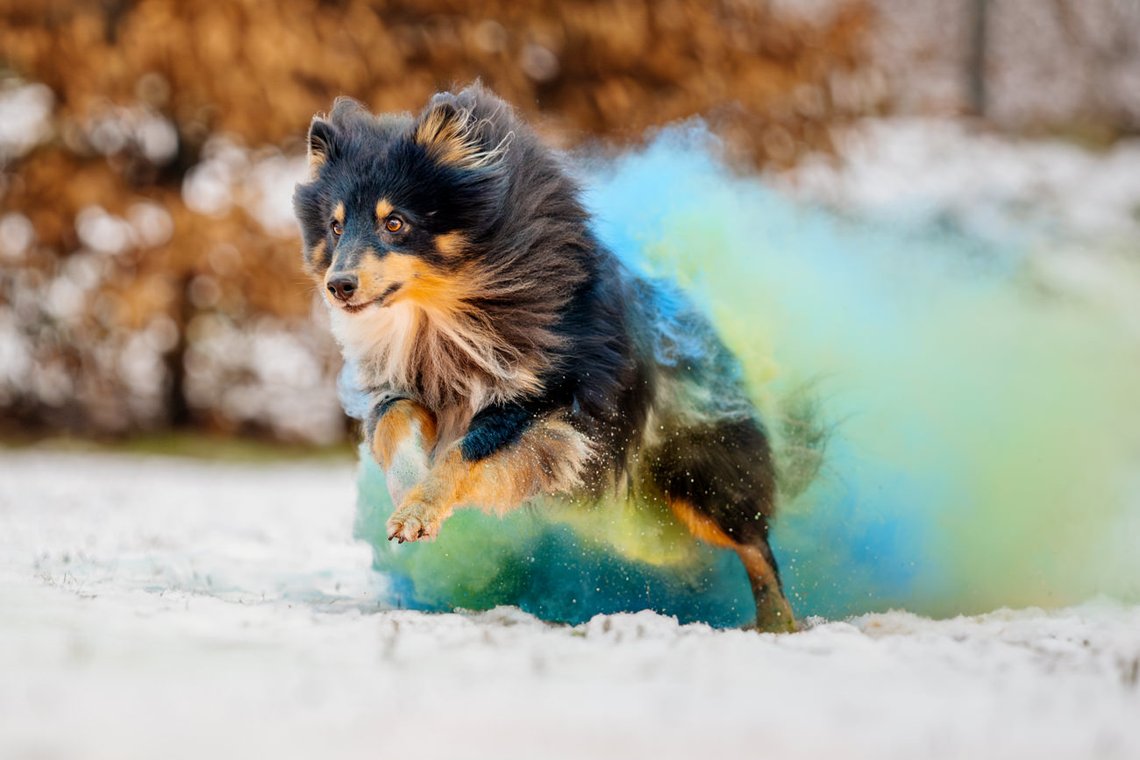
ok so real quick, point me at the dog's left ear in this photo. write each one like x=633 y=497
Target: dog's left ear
x=322 y=144
x=462 y=130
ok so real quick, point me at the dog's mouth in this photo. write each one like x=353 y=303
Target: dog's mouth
x=381 y=300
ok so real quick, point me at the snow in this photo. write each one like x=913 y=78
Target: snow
x=158 y=607
x=25 y=113
x=993 y=186
x=1075 y=211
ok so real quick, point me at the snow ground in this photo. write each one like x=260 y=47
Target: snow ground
x=156 y=607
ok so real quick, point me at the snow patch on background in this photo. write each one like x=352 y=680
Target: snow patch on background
x=942 y=172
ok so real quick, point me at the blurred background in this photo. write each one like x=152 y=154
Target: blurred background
x=149 y=263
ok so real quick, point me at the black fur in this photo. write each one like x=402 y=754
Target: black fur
x=494 y=428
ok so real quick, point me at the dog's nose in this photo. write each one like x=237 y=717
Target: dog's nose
x=342 y=286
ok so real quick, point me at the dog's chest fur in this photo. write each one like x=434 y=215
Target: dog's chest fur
x=452 y=364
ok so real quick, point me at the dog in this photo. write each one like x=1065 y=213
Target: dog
x=505 y=352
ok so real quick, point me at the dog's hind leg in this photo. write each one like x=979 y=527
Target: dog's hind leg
x=718 y=480
x=402 y=435
x=773 y=613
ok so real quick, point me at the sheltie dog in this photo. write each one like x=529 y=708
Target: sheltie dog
x=506 y=353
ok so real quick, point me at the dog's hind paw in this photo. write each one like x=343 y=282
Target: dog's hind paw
x=413 y=521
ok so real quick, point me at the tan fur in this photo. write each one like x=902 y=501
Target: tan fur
x=452 y=139
x=383 y=208
x=313 y=263
x=419 y=282
x=773 y=613
x=402 y=420
x=402 y=444
x=549 y=458
x=450 y=244
x=317 y=159
x=338 y=212
x=700 y=525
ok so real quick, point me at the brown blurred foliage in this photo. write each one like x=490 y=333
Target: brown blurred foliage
x=143 y=88
x=260 y=70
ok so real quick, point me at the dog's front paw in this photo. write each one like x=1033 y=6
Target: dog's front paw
x=413 y=521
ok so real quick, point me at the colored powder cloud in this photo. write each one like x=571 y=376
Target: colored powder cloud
x=983 y=432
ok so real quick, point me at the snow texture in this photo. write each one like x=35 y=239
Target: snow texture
x=163 y=608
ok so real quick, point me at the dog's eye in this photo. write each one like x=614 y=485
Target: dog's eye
x=393 y=224
x=337 y=228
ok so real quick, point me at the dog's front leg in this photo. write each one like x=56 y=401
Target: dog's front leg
x=403 y=434
x=507 y=457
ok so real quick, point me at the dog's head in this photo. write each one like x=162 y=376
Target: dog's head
x=448 y=246
x=395 y=206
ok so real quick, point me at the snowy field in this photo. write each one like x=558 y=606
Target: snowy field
x=164 y=608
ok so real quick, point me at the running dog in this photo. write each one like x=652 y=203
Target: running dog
x=506 y=353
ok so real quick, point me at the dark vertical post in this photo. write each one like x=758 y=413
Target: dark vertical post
x=976 y=57
x=177 y=406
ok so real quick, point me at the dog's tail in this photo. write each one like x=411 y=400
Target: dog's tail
x=800 y=433
x=954 y=431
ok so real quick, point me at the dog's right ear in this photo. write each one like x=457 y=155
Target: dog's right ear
x=322 y=145
x=328 y=133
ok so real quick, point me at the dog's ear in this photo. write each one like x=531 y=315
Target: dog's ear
x=345 y=110
x=323 y=140
x=327 y=133
x=462 y=131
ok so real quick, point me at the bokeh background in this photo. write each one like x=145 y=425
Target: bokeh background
x=149 y=263
x=925 y=214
